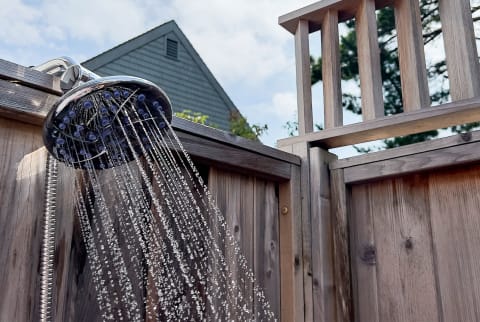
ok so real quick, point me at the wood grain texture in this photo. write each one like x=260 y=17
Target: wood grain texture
x=460 y=48
x=29 y=77
x=332 y=92
x=460 y=112
x=422 y=161
x=455 y=207
x=322 y=236
x=369 y=60
x=303 y=151
x=265 y=248
x=232 y=158
x=291 y=265
x=22 y=198
x=363 y=256
x=343 y=299
x=23 y=103
x=405 y=273
x=413 y=71
x=304 y=88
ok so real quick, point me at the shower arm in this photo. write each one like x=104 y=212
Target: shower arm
x=71 y=73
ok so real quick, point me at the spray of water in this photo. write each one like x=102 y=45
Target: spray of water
x=158 y=247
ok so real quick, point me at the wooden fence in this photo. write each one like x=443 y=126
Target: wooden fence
x=391 y=235
x=252 y=184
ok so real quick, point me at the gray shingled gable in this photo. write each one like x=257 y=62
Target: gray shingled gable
x=187 y=81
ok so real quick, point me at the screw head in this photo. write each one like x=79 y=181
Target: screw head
x=284 y=210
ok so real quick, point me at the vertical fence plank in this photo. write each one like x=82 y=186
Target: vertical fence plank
x=341 y=246
x=332 y=92
x=413 y=71
x=291 y=266
x=302 y=150
x=322 y=236
x=266 y=250
x=405 y=272
x=455 y=205
x=363 y=255
x=304 y=88
x=460 y=49
x=22 y=174
x=369 y=60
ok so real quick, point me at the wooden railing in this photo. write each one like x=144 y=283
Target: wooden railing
x=462 y=65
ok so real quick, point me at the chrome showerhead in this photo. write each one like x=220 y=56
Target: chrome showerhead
x=104 y=122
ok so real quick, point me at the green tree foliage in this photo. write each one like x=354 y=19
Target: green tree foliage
x=239 y=126
x=390 y=68
x=195 y=117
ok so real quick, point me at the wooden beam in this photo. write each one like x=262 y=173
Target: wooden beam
x=431 y=118
x=332 y=91
x=422 y=161
x=29 y=77
x=304 y=88
x=341 y=253
x=290 y=240
x=24 y=103
x=411 y=54
x=369 y=60
x=460 y=49
x=322 y=236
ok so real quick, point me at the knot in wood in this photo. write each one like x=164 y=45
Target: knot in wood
x=409 y=243
x=368 y=255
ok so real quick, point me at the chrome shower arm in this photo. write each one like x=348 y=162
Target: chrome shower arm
x=71 y=73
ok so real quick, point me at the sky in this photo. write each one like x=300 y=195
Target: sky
x=240 y=41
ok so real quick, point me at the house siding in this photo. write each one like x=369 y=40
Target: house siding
x=184 y=81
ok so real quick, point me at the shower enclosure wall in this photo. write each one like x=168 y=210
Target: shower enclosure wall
x=252 y=185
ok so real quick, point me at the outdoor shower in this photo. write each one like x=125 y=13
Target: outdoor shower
x=147 y=219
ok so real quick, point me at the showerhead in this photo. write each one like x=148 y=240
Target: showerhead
x=106 y=122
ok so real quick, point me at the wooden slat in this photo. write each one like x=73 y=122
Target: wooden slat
x=341 y=256
x=266 y=244
x=369 y=60
x=404 y=259
x=232 y=158
x=445 y=115
x=228 y=138
x=363 y=256
x=322 y=236
x=303 y=150
x=30 y=77
x=291 y=265
x=451 y=156
x=304 y=88
x=460 y=49
x=22 y=174
x=332 y=92
x=454 y=140
x=315 y=12
x=411 y=54
x=455 y=204
x=23 y=103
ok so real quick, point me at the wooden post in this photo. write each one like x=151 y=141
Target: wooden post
x=304 y=88
x=460 y=49
x=411 y=54
x=369 y=61
x=291 y=266
x=322 y=236
x=343 y=295
x=332 y=92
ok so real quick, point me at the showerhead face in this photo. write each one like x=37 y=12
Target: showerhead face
x=106 y=122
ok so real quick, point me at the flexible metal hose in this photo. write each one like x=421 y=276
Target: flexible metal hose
x=48 y=242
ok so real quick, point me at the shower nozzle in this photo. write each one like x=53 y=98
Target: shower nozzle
x=106 y=121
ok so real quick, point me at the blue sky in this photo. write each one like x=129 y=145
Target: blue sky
x=240 y=41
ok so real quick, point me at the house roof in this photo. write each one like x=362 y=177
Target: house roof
x=189 y=87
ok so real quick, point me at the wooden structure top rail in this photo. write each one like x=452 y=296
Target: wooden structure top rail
x=462 y=66
x=28 y=95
